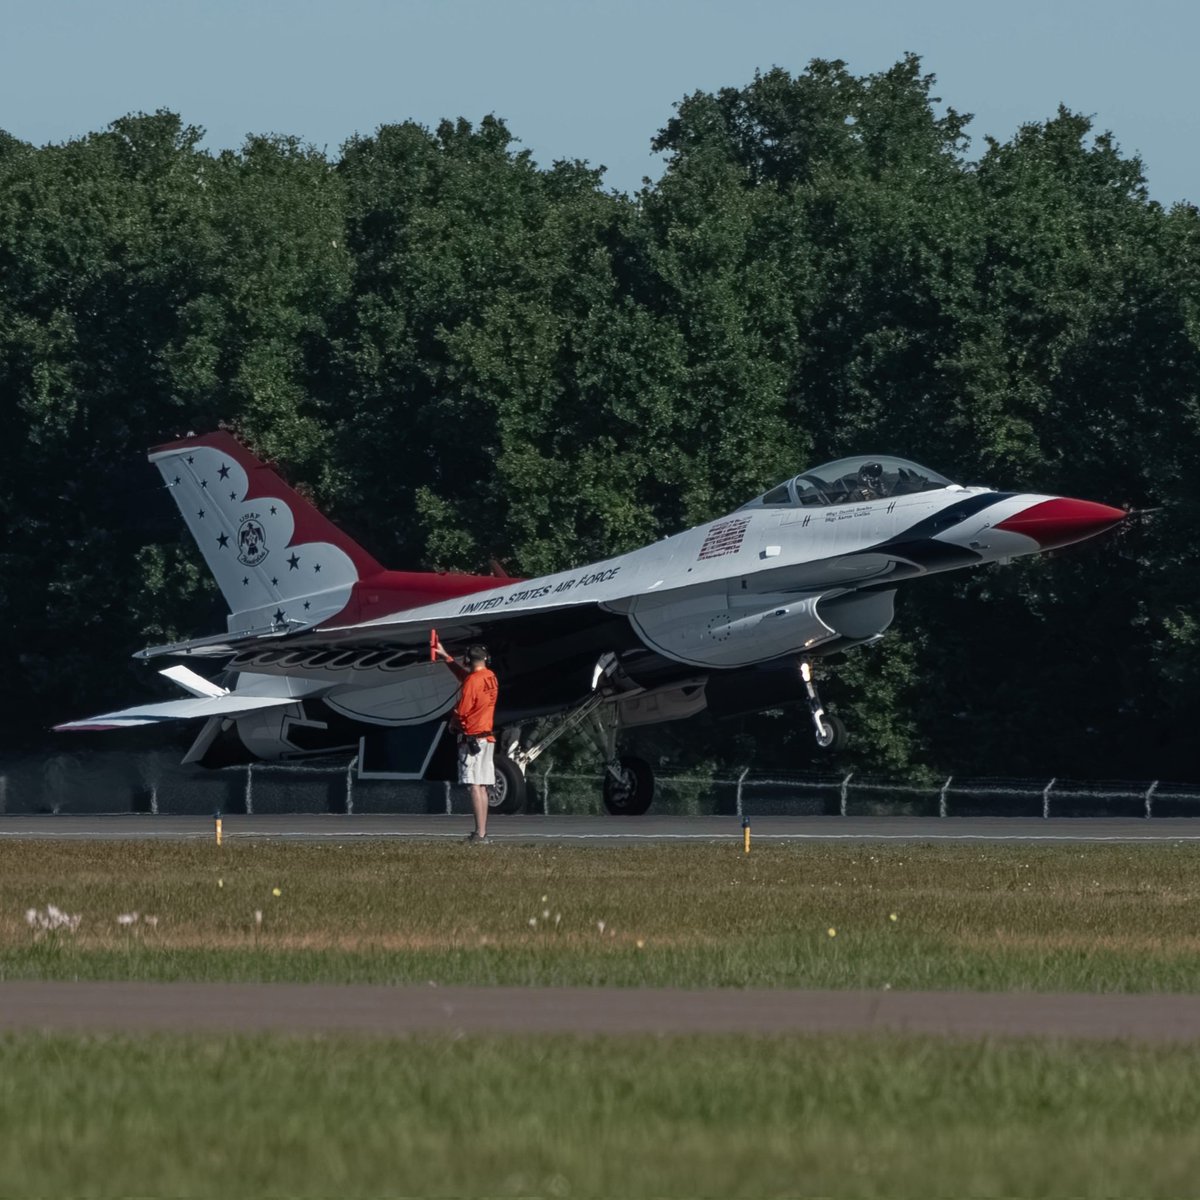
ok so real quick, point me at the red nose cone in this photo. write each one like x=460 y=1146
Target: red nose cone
x=1060 y=522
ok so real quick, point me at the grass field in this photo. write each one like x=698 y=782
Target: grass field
x=615 y=1117
x=1078 y=918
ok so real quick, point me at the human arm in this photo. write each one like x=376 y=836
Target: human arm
x=440 y=652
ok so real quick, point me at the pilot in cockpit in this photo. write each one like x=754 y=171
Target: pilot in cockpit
x=869 y=484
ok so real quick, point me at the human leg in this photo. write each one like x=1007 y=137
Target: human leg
x=479 y=804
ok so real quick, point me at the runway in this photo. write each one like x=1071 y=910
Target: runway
x=606 y=831
x=316 y=1008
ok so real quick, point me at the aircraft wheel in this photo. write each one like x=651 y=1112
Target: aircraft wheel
x=507 y=794
x=630 y=794
x=832 y=734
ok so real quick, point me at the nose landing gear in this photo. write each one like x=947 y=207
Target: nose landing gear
x=829 y=730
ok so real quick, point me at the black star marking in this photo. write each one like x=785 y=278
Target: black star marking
x=222 y=540
x=307 y=606
x=200 y=514
x=316 y=566
x=274 y=582
x=204 y=483
x=176 y=480
x=224 y=471
x=279 y=616
x=190 y=460
x=274 y=510
x=245 y=581
x=293 y=563
x=233 y=495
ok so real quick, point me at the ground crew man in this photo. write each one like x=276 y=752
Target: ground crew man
x=473 y=718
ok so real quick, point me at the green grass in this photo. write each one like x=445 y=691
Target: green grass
x=1079 y=918
x=713 y=1116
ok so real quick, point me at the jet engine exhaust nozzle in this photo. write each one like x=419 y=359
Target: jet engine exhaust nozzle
x=1062 y=521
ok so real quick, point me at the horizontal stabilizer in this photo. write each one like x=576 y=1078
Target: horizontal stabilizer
x=192 y=682
x=225 y=705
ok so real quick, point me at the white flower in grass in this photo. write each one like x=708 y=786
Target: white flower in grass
x=151 y=921
x=545 y=914
x=258 y=917
x=533 y=922
x=127 y=919
x=600 y=926
x=51 y=920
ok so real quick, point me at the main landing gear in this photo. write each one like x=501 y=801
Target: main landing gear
x=507 y=794
x=628 y=786
x=829 y=730
x=628 y=781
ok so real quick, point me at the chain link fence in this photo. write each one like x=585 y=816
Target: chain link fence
x=155 y=782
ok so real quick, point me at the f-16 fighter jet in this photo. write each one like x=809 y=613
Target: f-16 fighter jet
x=328 y=653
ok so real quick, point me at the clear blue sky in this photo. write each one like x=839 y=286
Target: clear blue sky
x=588 y=80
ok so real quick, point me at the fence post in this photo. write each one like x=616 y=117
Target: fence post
x=153 y=799
x=740 y=780
x=845 y=791
x=942 y=795
x=350 y=786
x=1046 y=798
x=1149 y=797
x=546 y=787
x=249 y=789
x=449 y=805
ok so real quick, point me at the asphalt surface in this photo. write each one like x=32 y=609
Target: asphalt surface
x=608 y=830
x=312 y=1008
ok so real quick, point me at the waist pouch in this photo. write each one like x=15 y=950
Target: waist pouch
x=472 y=740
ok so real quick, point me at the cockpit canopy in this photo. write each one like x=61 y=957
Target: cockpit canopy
x=852 y=481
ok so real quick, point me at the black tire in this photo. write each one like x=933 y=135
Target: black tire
x=633 y=794
x=834 y=737
x=507 y=794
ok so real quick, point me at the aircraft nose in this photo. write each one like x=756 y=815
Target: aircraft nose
x=1062 y=521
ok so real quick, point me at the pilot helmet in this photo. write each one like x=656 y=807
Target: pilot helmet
x=871 y=473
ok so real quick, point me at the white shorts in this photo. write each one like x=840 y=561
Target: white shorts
x=477 y=768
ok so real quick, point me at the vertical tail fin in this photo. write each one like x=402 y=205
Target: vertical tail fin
x=276 y=559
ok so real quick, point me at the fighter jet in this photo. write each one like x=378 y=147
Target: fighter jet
x=328 y=653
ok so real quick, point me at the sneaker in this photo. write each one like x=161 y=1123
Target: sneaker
x=474 y=839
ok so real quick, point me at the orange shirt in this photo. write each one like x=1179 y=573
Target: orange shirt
x=476 y=707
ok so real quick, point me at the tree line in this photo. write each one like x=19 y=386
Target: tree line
x=466 y=356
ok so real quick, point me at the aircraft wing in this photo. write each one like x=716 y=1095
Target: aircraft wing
x=406 y=629
x=229 y=705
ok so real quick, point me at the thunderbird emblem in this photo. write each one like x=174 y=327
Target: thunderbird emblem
x=252 y=541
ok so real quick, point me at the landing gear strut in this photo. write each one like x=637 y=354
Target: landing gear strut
x=830 y=732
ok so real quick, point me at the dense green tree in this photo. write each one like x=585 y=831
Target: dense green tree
x=467 y=357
